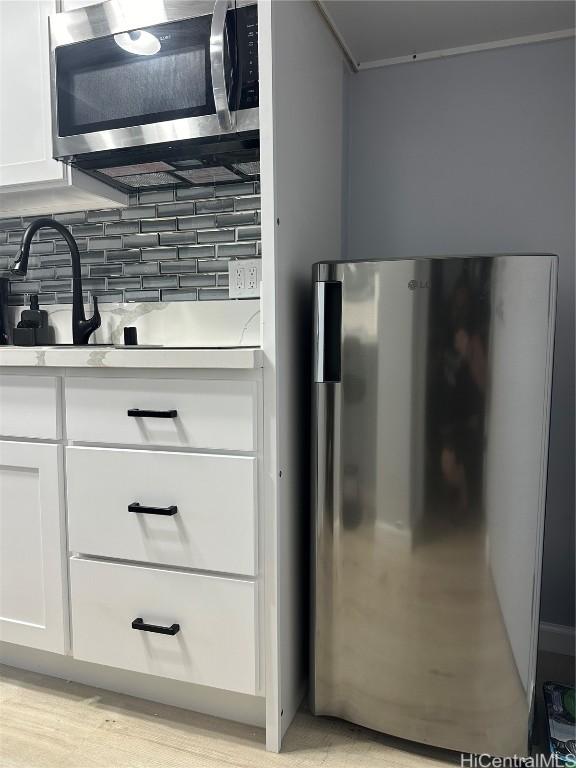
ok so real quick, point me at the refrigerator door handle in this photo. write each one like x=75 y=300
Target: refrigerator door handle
x=327 y=332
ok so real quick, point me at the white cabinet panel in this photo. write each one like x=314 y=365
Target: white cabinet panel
x=29 y=407
x=216 y=641
x=25 y=130
x=209 y=414
x=32 y=560
x=214 y=527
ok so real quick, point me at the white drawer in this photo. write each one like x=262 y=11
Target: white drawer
x=210 y=414
x=29 y=407
x=216 y=642
x=214 y=527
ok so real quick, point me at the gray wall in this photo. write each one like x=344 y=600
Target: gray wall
x=475 y=154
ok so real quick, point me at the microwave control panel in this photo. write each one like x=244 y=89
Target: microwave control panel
x=247 y=36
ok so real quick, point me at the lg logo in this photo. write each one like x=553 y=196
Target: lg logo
x=413 y=284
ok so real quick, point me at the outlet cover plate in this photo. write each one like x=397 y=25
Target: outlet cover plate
x=244 y=276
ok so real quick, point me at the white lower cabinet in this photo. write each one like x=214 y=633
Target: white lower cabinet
x=157 y=571
x=190 y=627
x=33 y=596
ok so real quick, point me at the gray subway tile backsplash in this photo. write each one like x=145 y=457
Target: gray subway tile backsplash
x=55 y=259
x=236 y=250
x=155 y=196
x=178 y=267
x=111 y=214
x=196 y=222
x=11 y=224
x=107 y=270
x=212 y=294
x=138 y=212
x=231 y=190
x=66 y=271
x=121 y=227
x=218 y=205
x=217 y=235
x=158 y=225
x=194 y=193
x=121 y=283
x=92 y=257
x=110 y=297
x=196 y=251
x=141 y=268
x=148 y=240
x=179 y=295
x=169 y=245
x=160 y=281
x=57 y=285
x=61 y=246
x=213 y=265
x=30 y=286
x=195 y=281
x=152 y=254
x=236 y=219
x=176 y=209
x=42 y=273
x=249 y=233
x=41 y=247
x=76 y=217
x=94 y=283
x=250 y=203
x=105 y=243
x=81 y=230
x=15 y=236
x=123 y=255
x=177 y=238
x=142 y=295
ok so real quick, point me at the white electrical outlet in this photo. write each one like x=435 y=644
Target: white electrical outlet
x=244 y=277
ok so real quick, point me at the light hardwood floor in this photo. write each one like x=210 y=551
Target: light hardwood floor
x=49 y=723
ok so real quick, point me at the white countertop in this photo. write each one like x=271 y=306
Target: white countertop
x=132 y=357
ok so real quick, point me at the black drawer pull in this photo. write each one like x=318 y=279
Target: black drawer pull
x=139 y=624
x=144 y=510
x=144 y=414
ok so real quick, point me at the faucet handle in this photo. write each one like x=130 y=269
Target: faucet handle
x=95 y=319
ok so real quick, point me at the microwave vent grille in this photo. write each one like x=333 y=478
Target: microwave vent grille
x=248 y=169
x=210 y=175
x=140 y=180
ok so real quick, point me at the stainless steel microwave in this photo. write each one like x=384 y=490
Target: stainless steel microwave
x=129 y=74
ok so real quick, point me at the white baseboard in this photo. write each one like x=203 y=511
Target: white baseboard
x=557 y=638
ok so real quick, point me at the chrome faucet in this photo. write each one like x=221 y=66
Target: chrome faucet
x=81 y=327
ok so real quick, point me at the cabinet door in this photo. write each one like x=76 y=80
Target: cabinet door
x=33 y=601
x=25 y=133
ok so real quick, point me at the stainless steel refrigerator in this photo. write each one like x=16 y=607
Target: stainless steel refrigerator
x=430 y=433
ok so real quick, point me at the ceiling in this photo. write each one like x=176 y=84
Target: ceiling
x=380 y=30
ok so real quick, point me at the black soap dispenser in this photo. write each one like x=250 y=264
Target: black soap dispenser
x=33 y=329
x=33 y=317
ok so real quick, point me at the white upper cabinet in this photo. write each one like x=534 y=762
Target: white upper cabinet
x=30 y=180
x=25 y=139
